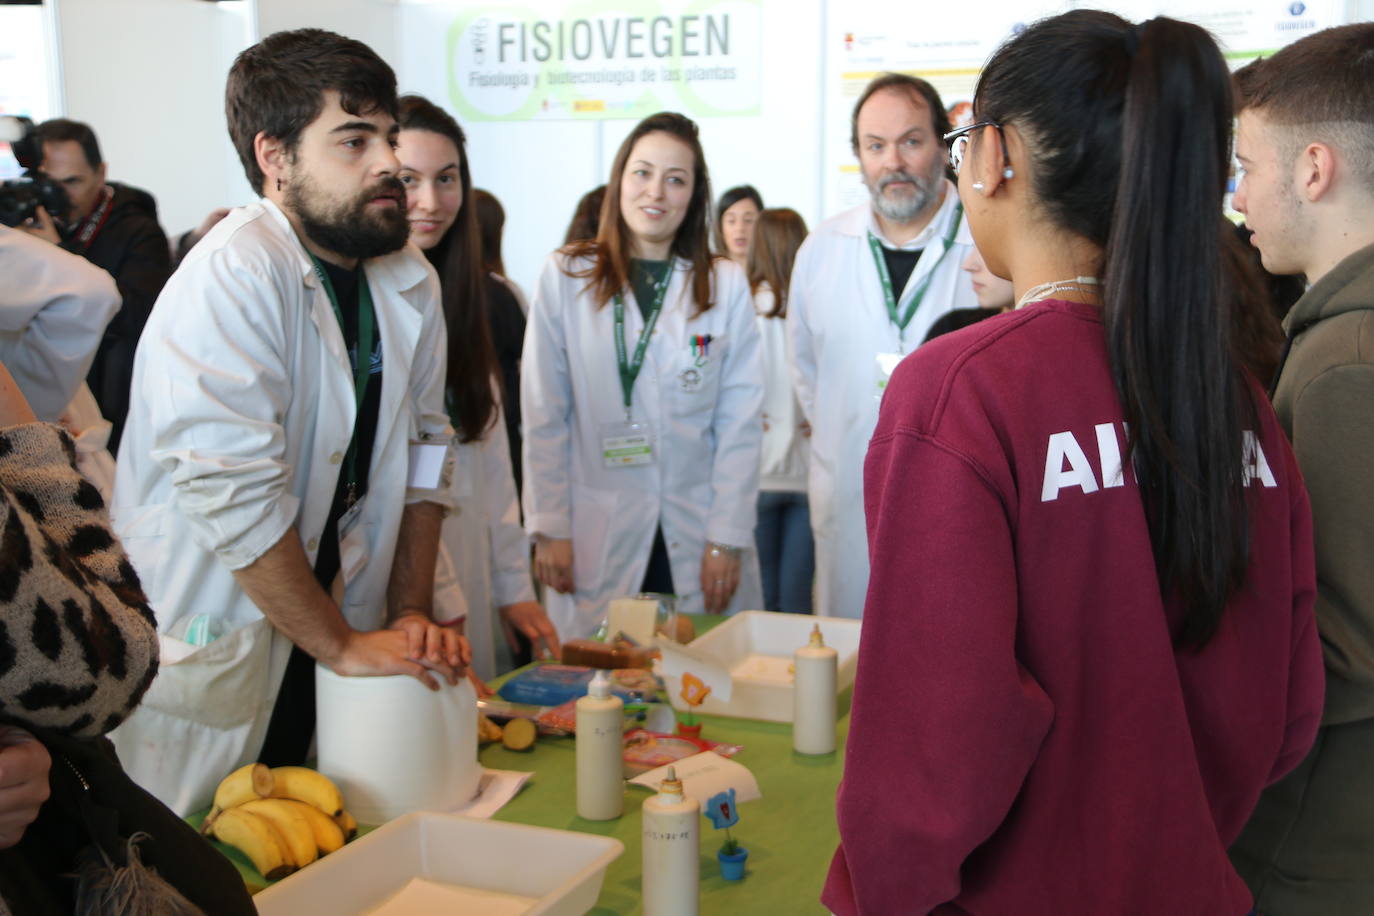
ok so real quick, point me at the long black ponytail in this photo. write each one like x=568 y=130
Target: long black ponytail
x=1129 y=129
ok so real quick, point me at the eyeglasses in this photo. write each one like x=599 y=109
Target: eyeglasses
x=958 y=142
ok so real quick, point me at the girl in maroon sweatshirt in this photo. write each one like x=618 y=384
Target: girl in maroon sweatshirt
x=1089 y=640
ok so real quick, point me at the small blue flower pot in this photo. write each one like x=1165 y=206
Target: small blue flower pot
x=732 y=867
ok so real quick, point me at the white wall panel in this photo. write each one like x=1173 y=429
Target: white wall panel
x=148 y=76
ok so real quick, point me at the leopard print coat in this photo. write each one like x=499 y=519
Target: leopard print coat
x=78 y=642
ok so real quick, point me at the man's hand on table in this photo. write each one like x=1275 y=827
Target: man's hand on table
x=408 y=646
x=434 y=646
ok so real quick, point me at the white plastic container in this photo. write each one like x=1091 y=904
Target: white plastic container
x=756 y=648
x=482 y=867
x=600 y=749
x=814 y=696
x=670 y=851
x=394 y=746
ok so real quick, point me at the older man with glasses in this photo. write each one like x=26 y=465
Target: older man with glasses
x=866 y=288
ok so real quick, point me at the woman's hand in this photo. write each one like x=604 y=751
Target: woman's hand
x=720 y=567
x=530 y=618
x=24 y=765
x=553 y=563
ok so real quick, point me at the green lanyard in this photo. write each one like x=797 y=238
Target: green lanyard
x=362 y=363
x=629 y=368
x=905 y=318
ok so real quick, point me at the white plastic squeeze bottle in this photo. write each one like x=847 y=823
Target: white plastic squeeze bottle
x=671 y=851
x=600 y=781
x=814 y=696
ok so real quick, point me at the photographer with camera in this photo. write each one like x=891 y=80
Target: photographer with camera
x=115 y=227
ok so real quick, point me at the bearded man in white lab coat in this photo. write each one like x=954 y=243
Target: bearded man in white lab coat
x=291 y=372
x=866 y=287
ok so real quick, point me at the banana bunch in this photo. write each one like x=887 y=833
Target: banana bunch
x=282 y=818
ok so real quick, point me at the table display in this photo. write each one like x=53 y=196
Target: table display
x=791 y=830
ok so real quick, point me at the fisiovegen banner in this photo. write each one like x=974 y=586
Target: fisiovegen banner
x=589 y=61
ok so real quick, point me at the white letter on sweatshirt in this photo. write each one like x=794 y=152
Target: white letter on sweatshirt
x=1080 y=473
x=1254 y=463
x=1110 y=454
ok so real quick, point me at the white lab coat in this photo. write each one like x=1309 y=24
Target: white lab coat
x=703 y=483
x=785 y=445
x=242 y=409
x=484 y=556
x=838 y=323
x=54 y=306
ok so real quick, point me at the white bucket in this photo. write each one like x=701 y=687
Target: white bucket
x=394 y=746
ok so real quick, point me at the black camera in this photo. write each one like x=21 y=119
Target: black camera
x=20 y=198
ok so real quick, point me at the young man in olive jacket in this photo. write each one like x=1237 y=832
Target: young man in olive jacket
x=1306 y=143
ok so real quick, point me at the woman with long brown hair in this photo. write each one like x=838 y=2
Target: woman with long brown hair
x=483 y=569
x=641 y=390
x=787 y=553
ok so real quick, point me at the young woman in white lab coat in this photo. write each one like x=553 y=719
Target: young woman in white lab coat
x=642 y=451
x=787 y=551
x=483 y=566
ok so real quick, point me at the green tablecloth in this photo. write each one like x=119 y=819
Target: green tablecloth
x=790 y=832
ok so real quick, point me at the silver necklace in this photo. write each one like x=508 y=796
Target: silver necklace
x=1045 y=290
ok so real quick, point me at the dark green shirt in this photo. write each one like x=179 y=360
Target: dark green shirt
x=645 y=278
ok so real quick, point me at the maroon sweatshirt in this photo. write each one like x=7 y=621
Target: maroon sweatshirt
x=1025 y=737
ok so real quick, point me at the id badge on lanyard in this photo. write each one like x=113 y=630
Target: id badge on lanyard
x=626 y=445
x=902 y=317
x=353 y=547
x=630 y=444
x=884 y=365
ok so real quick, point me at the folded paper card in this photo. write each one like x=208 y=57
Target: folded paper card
x=677 y=660
x=704 y=775
x=637 y=618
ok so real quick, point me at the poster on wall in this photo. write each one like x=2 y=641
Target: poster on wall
x=945 y=45
x=948 y=46
x=1245 y=29
x=588 y=60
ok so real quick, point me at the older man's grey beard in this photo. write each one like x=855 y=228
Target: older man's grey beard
x=904 y=207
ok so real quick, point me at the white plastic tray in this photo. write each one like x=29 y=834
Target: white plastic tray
x=487 y=867
x=756 y=647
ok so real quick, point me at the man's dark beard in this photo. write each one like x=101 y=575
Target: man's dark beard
x=350 y=229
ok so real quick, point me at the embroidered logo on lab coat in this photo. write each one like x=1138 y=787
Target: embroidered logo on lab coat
x=699 y=347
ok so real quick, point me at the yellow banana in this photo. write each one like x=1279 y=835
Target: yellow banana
x=348 y=824
x=256 y=838
x=244 y=784
x=309 y=786
x=329 y=835
x=291 y=824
